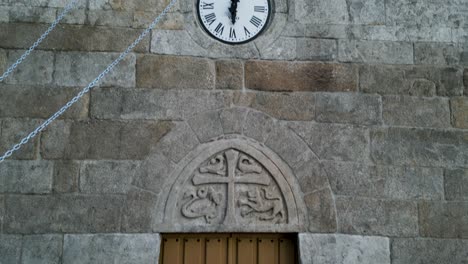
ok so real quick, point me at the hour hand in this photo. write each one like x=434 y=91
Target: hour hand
x=233 y=10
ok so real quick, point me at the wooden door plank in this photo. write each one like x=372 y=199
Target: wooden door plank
x=268 y=250
x=287 y=251
x=172 y=251
x=216 y=250
x=246 y=250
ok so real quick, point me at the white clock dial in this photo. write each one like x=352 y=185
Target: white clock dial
x=234 y=21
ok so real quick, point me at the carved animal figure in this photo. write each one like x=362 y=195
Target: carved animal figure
x=203 y=203
x=216 y=166
x=260 y=202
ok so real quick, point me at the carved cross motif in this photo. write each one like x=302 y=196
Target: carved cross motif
x=231 y=169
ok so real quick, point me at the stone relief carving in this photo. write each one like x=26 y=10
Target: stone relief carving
x=232 y=187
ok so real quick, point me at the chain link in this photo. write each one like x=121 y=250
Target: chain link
x=65 y=11
x=91 y=85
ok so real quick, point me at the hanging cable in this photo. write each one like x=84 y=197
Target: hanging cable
x=89 y=87
x=65 y=11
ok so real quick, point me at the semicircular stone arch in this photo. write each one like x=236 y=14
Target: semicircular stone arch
x=236 y=180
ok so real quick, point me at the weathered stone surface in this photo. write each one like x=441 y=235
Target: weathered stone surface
x=26 y=177
x=206 y=125
x=154 y=104
x=138 y=211
x=111 y=248
x=79 y=69
x=172 y=21
x=62 y=213
x=171 y=72
x=55 y=139
x=47 y=3
x=425 y=250
x=111 y=18
x=66 y=174
x=456 y=184
x=343 y=249
x=232 y=120
x=4 y=14
x=404 y=183
x=459 y=109
x=75 y=17
x=309 y=173
x=229 y=74
x=70 y=38
x=40 y=249
x=37 y=71
x=258 y=126
x=107 y=176
x=375 y=52
x=376 y=217
x=322 y=211
x=282 y=49
x=437 y=53
x=443 y=219
x=176 y=42
x=154 y=172
x=13 y=131
x=39 y=102
x=32 y=14
x=2 y=212
x=416 y=111
x=283 y=106
x=179 y=142
x=412 y=80
x=104 y=140
x=351 y=108
x=10 y=248
x=316 y=49
x=3 y=60
x=465 y=81
x=334 y=141
x=424 y=147
x=299 y=76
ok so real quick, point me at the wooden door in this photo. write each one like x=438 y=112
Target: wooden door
x=228 y=249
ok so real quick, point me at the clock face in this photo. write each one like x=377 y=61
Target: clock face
x=234 y=21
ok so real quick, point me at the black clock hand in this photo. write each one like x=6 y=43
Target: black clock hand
x=233 y=10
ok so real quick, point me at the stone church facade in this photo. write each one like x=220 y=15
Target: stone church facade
x=344 y=123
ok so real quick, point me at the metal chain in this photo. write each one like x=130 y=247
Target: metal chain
x=90 y=85
x=65 y=11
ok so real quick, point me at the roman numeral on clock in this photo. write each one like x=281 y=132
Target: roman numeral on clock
x=260 y=9
x=255 y=21
x=246 y=31
x=219 y=28
x=208 y=5
x=232 y=33
x=210 y=18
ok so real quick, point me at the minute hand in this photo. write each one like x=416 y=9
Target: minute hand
x=233 y=10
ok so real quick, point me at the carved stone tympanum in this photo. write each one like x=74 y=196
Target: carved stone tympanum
x=234 y=183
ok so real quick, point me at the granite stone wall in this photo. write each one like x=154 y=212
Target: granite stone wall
x=365 y=102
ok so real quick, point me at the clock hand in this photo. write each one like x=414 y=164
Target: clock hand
x=233 y=10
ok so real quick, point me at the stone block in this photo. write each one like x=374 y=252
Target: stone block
x=105 y=140
x=299 y=76
x=145 y=5
x=416 y=111
x=232 y=120
x=403 y=33
x=79 y=69
x=55 y=139
x=111 y=18
x=359 y=109
x=76 y=16
x=66 y=174
x=283 y=106
x=366 y=216
x=153 y=173
x=2 y=212
x=258 y=126
x=206 y=125
x=465 y=82
x=62 y=213
x=316 y=49
x=4 y=15
x=448 y=80
x=375 y=52
x=179 y=142
x=111 y=248
x=138 y=211
x=309 y=173
x=155 y=104
x=421 y=147
x=176 y=42
x=3 y=60
x=42 y=249
x=456 y=184
x=437 y=53
x=321 y=211
x=229 y=74
x=321 y=12
x=32 y=14
x=172 y=21
x=171 y=72
x=40 y=102
x=402 y=183
x=26 y=177
x=10 y=248
x=426 y=250
x=459 y=109
x=13 y=131
x=443 y=219
x=383 y=80
x=107 y=176
x=282 y=48
x=37 y=71
x=343 y=249
x=334 y=141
